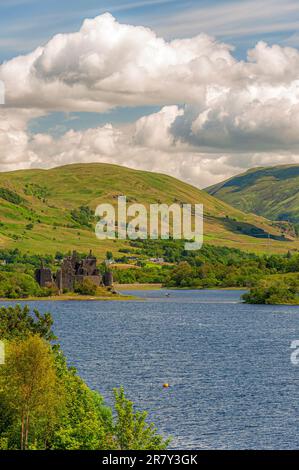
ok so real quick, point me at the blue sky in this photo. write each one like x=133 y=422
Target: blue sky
x=25 y=24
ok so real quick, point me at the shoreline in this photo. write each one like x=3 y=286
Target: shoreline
x=161 y=287
x=116 y=297
x=137 y=286
x=119 y=297
x=72 y=298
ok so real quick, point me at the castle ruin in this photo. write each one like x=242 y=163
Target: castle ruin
x=73 y=271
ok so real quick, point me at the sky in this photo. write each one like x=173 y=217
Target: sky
x=201 y=90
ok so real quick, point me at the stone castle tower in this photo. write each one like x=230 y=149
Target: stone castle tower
x=44 y=276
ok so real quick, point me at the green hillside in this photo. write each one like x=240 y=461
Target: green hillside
x=40 y=209
x=271 y=192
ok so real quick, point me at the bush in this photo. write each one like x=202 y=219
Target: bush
x=83 y=216
x=10 y=196
x=14 y=285
x=50 y=290
x=87 y=287
x=270 y=292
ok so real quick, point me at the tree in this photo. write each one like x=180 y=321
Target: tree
x=182 y=275
x=29 y=385
x=85 y=423
x=14 y=285
x=83 y=216
x=131 y=430
x=18 y=322
x=282 y=291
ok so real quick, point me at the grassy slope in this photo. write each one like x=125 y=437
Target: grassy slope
x=271 y=192
x=70 y=186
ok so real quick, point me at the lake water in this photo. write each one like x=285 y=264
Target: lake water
x=233 y=385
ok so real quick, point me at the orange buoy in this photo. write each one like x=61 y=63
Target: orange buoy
x=166 y=385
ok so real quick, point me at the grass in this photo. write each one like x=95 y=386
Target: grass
x=268 y=191
x=42 y=223
x=137 y=286
x=74 y=297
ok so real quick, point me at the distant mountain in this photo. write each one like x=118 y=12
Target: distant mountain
x=272 y=192
x=44 y=211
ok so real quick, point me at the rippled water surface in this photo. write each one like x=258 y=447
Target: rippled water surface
x=232 y=382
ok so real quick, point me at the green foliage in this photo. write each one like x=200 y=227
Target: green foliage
x=182 y=275
x=151 y=275
x=83 y=216
x=269 y=191
x=131 y=431
x=47 y=194
x=208 y=275
x=173 y=251
x=14 y=285
x=63 y=412
x=50 y=290
x=282 y=291
x=41 y=192
x=18 y=322
x=85 y=422
x=29 y=392
x=15 y=257
x=10 y=196
x=211 y=266
x=87 y=287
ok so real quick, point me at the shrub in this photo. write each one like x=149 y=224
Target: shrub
x=87 y=287
x=10 y=196
x=14 y=285
x=284 y=291
x=83 y=216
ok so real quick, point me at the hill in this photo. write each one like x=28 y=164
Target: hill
x=271 y=192
x=40 y=209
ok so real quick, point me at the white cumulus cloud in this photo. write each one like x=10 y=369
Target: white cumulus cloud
x=108 y=64
x=218 y=115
